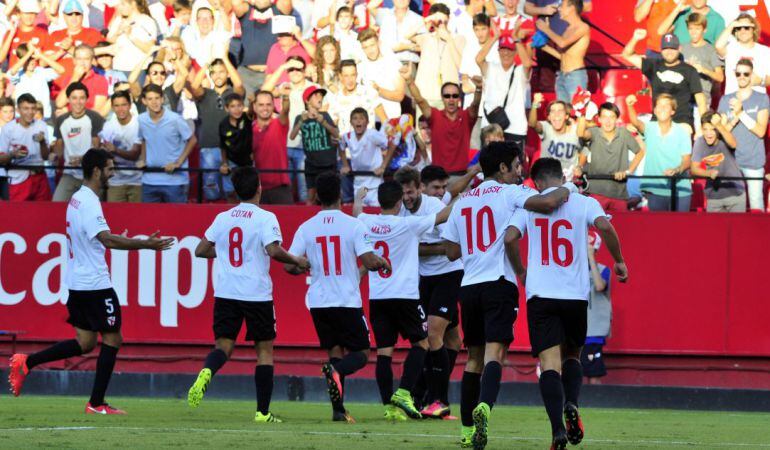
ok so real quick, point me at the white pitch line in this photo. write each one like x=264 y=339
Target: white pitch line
x=380 y=434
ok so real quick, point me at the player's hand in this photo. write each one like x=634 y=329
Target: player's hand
x=385 y=266
x=631 y=100
x=621 y=271
x=620 y=175
x=639 y=34
x=155 y=243
x=303 y=264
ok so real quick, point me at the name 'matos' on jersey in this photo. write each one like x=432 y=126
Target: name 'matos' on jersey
x=557 y=259
x=86 y=267
x=332 y=242
x=478 y=222
x=242 y=267
x=436 y=264
x=396 y=239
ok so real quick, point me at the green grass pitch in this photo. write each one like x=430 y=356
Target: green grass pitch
x=59 y=422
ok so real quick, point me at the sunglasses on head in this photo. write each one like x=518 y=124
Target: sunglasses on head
x=742 y=74
x=744 y=27
x=451 y=95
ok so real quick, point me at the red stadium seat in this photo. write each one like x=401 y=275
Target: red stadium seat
x=622 y=82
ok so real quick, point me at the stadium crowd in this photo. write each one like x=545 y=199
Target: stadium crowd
x=367 y=87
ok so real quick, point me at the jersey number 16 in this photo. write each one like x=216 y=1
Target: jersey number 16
x=555 y=241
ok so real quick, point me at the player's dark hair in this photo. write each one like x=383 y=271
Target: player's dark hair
x=406 y=175
x=609 y=106
x=347 y=63
x=233 y=97
x=152 y=88
x=94 y=157
x=389 y=193
x=120 y=94
x=328 y=188
x=359 y=110
x=481 y=19
x=245 y=182
x=76 y=86
x=25 y=98
x=439 y=8
x=433 y=173
x=496 y=153
x=546 y=168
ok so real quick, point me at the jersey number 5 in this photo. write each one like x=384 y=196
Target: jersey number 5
x=555 y=241
x=386 y=256
x=485 y=212
x=335 y=241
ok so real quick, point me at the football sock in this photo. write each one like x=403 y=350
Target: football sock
x=384 y=375
x=215 y=360
x=572 y=379
x=452 y=354
x=440 y=362
x=469 y=396
x=350 y=363
x=60 y=350
x=104 y=366
x=263 y=379
x=422 y=391
x=412 y=367
x=552 y=392
x=490 y=382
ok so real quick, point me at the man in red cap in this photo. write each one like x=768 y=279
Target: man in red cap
x=317 y=129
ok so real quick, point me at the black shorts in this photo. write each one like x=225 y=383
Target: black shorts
x=397 y=316
x=94 y=310
x=439 y=295
x=555 y=322
x=488 y=312
x=340 y=326
x=312 y=172
x=592 y=360
x=229 y=315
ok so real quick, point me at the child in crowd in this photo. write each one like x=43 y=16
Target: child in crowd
x=104 y=68
x=558 y=135
x=235 y=138
x=343 y=31
x=703 y=56
x=30 y=77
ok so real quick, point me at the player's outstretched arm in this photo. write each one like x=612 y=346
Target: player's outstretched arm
x=373 y=262
x=456 y=187
x=205 y=249
x=452 y=250
x=547 y=203
x=512 y=240
x=275 y=251
x=118 y=242
x=610 y=237
x=358 y=201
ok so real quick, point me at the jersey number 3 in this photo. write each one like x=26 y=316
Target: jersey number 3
x=556 y=242
x=386 y=256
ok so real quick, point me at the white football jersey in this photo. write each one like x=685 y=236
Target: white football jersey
x=557 y=259
x=437 y=264
x=332 y=242
x=478 y=222
x=396 y=239
x=242 y=269
x=86 y=267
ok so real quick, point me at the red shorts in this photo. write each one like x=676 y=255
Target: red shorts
x=34 y=188
x=611 y=204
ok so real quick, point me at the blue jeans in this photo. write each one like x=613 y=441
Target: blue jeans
x=153 y=193
x=297 y=162
x=211 y=158
x=567 y=84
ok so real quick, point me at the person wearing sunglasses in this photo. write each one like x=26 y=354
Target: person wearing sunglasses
x=62 y=43
x=747 y=111
x=156 y=73
x=741 y=40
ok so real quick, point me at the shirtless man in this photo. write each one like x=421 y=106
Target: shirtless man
x=572 y=48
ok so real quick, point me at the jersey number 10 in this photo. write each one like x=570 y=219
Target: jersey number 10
x=555 y=241
x=485 y=212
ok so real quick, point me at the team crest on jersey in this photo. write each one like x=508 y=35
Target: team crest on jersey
x=111 y=321
x=277 y=231
x=100 y=219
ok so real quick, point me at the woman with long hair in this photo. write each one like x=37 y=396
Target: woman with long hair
x=326 y=63
x=740 y=40
x=133 y=33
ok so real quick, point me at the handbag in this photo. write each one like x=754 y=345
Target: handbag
x=498 y=115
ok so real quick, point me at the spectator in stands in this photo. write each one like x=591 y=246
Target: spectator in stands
x=25 y=31
x=506 y=85
x=166 y=142
x=352 y=95
x=700 y=54
x=132 y=32
x=669 y=151
x=25 y=142
x=491 y=133
x=396 y=24
x=104 y=67
x=451 y=126
x=256 y=39
x=366 y=147
x=288 y=45
x=326 y=63
x=270 y=133
x=211 y=111
x=63 y=42
x=440 y=56
x=341 y=28
x=7 y=114
x=558 y=135
x=462 y=24
x=156 y=73
x=670 y=75
x=318 y=136
x=599 y=314
x=83 y=72
x=380 y=71
x=740 y=40
x=652 y=13
x=29 y=76
x=713 y=157
x=235 y=141
x=202 y=41
x=678 y=22
x=747 y=111
x=483 y=33
x=118 y=137
x=609 y=147
x=76 y=132
x=572 y=46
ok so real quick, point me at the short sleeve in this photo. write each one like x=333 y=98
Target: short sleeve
x=693 y=80
x=270 y=231
x=545 y=126
x=519 y=221
x=648 y=68
x=380 y=139
x=605 y=273
x=764 y=102
x=593 y=211
x=724 y=104
x=182 y=127
x=686 y=143
x=517 y=195
x=93 y=220
x=633 y=144
x=298 y=244
x=698 y=150
x=421 y=224
x=57 y=126
x=363 y=243
x=4 y=142
x=449 y=232
x=211 y=231
x=97 y=123
x=715 y=60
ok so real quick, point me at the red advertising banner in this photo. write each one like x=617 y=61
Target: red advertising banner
x=698 y=284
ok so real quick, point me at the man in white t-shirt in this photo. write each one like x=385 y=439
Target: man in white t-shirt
x=244 y=239
x=24 y=142
x=118 y=137
x=397 y=26
x=93 y=305
x=740 y=40
x=489 y=296
x=352 y=95
x=332 y=241
x=558 y=287
x=379 y=69
x=394 y=297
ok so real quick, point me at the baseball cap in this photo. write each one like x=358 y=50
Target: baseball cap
x=72 y=6
x=669 y=41
x=29 y=6
x=506 y=42
x=310 y=90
